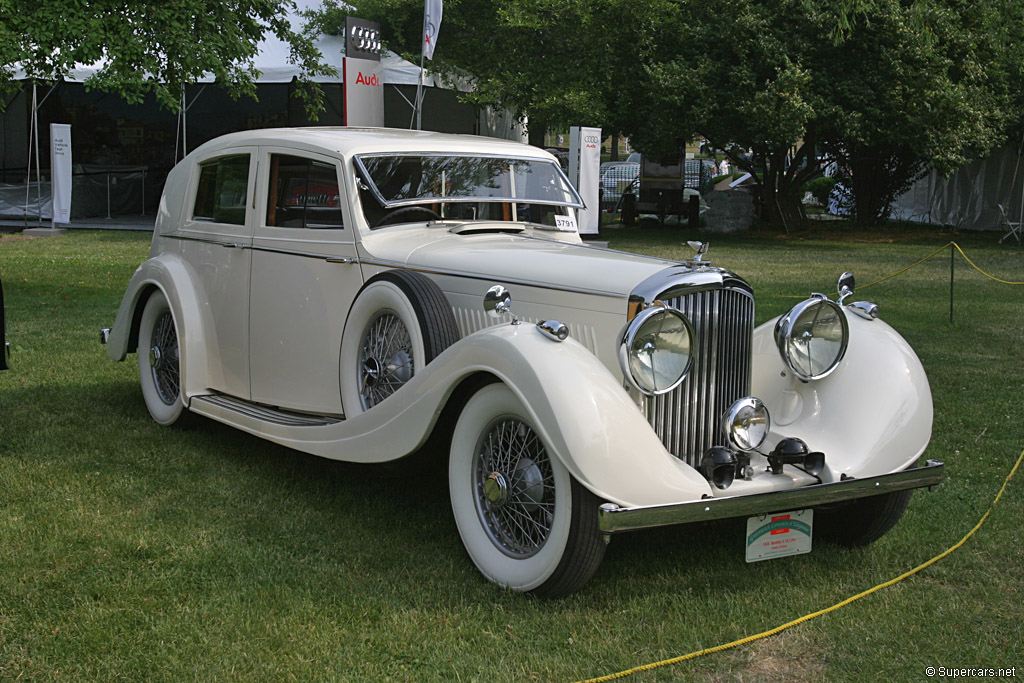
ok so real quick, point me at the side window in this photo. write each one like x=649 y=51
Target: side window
x=303 y=193
x=222 y=192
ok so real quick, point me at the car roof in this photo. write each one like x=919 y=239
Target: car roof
x=350 y=140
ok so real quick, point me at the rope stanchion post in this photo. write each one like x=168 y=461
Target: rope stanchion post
x=952 y=252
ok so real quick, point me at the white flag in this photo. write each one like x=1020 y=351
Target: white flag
x=431 y=25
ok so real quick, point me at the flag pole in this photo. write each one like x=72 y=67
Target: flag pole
x=419 y=85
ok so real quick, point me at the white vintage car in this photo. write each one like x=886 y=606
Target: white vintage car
x=346 y=293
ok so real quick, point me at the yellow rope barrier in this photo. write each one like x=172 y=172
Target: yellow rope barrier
x=889 y=277
x=814 y=615
x=991 y=277
x=933 y=255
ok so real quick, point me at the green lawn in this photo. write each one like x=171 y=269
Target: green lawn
x=130 y=551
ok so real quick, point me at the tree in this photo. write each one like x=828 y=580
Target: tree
x=152 y=46
x=883 y=87
x=564 y=62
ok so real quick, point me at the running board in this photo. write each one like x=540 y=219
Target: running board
x=214 y=404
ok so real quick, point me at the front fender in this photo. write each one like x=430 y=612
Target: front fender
x=574 y=402
x=871 y=416
x=168 y=273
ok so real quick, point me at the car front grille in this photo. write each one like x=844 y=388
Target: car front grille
x=688 y=419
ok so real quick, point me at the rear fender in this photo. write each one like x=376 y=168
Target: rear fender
x=169 y=274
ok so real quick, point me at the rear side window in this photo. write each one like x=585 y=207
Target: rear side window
x=303 y=193
x=223 y=188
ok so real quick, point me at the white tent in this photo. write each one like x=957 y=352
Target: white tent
x=969 y=199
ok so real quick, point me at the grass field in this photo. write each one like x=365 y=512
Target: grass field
x=130 y=551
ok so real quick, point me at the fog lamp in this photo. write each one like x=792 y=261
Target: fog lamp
x=746 y=423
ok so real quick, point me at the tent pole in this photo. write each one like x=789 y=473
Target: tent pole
x=419 y=96
x=177 y=133
x=184 y=125
x=28 y=165
x=39 y=180
x=1020 y=216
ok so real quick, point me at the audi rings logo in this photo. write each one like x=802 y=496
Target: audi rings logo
x=591 y=139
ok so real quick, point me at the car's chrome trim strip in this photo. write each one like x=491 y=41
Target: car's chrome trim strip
x=330 y=258
x=204 y=240
x=613 y=519
x=492 y=279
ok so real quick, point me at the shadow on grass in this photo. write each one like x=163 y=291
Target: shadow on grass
x=248 y=511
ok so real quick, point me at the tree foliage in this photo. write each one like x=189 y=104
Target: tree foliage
x=881 y=86
x=151 y=46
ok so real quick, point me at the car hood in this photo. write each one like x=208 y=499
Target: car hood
x=517 y=257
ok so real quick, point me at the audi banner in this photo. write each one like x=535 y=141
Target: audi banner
x=585 y=174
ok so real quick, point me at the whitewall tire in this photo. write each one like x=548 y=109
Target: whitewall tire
x=400 y=321
x=160 y=362
x=525 y=522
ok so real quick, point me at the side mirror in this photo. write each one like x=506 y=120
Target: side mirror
x=498 y=302
x=846 y=285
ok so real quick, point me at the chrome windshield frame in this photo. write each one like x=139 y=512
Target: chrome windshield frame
x=367 y=180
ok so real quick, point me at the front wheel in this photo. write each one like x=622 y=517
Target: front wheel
x=159 y=362
x=526 y=523
x=862 y=521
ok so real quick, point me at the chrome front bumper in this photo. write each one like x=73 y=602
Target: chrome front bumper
x=614 y=519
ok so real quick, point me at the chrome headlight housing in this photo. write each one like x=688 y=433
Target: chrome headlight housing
x=812 y=337
x=746 y=424
x=656 y=350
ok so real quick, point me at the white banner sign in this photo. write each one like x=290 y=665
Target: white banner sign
x=364 y=92
x=60 y=165
x=585 y=173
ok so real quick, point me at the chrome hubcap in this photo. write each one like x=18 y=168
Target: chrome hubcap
x=496 y=489
x=155 y=357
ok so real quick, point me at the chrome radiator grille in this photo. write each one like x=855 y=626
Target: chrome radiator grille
x=688 y=419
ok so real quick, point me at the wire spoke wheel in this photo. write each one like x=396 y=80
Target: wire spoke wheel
x=159 y=359
x=515 y=487
x=525 y=522
x=399 y=322
x=386 y=358
x=163 y=359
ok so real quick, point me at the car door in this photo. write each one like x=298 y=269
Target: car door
x=304 y=277
x=213 y=239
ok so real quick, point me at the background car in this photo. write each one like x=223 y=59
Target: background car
x=617 y=177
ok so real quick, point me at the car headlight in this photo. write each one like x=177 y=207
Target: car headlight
x=812 y=337
x=656 y=350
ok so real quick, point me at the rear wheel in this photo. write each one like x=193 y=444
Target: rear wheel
x=525 y=522
x=160 y=362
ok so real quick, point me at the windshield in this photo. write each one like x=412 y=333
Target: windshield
x=405 y=179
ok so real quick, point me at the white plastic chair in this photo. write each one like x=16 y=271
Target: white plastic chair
x=1013 y=227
